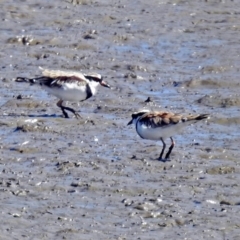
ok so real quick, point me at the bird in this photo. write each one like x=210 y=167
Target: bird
x=67 y=86
x=159 y=125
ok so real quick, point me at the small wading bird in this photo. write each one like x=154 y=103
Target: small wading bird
x=162 y=125
x=67 y=86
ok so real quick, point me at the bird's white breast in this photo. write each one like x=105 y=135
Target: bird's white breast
x=156 y=133
x=94 y=86
x=68 y=92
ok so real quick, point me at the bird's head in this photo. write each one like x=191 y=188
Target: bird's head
x=97 y=78
x=137 y=115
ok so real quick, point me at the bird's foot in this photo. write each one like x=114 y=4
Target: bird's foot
x=77 y=115
x=164 y=159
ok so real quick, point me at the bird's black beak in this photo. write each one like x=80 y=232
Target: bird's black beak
x=104 y=84
x=130 y=122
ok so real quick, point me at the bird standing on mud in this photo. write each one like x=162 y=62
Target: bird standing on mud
x=68 y=86
x=160 y=125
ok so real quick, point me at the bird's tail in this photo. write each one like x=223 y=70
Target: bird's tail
x=23 y=79
x=202 y=116
x=198 y=117
x=39 y=80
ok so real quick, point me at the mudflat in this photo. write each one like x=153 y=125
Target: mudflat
x=95 y=178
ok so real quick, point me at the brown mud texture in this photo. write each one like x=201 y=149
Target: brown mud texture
x=94 y=177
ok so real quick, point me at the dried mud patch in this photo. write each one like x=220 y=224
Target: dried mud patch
x=219 y=101
x=221 y=170
x=226 y=121
x=196 y=83
x=39 y=127
x=24 y=103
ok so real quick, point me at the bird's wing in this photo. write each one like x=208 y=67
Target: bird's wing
x=58 y=81
x=62 y=80
x=59 y=73
x=160 y=119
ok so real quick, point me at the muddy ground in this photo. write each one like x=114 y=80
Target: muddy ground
x=94 y=178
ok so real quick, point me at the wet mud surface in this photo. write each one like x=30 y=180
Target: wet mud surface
x=94 y=178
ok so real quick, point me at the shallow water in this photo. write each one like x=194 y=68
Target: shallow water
x=94 y=177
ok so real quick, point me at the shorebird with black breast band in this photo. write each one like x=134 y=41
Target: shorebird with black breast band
x=67 y=86
x=160 y=125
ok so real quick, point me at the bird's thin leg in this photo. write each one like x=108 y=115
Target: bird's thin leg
x=63 y=108
x=77 y=115
x=170 y=148
x=164 y=146
x=59 y=104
